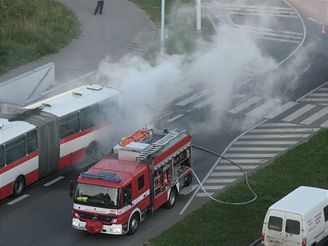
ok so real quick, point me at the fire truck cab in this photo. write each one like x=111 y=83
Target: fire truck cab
x=114 y=195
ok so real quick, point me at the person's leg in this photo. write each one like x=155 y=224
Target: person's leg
x=97 y=8
x=101 y=7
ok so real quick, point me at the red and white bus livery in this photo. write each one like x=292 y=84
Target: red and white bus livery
x=52 y=134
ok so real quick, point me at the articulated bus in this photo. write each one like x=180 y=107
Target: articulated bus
x=52 y=134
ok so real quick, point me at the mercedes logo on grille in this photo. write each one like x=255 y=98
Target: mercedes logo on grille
x=95 y=217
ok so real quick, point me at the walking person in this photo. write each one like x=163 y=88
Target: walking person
x=99 y=7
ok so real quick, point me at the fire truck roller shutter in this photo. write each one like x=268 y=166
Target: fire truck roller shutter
x=48 y=141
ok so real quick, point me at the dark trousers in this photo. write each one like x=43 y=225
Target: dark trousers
x=99 y=7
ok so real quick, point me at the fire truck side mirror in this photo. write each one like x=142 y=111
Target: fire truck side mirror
x=71 y=188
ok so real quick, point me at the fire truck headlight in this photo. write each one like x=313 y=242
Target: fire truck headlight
x=114 y=220
x=76 y=215
x=75 y=222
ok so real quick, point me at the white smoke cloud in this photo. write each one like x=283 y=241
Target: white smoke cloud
x=218 y=67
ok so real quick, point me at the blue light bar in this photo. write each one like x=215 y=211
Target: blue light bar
x=108 y=176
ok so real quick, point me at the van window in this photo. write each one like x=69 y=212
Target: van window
x=275 y=223
x=325 y=211
x=293 y=227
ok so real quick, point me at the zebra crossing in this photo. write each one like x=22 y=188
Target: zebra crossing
x=290 y=125
x=248 y=152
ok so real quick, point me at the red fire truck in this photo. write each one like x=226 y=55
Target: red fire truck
x=114 y=195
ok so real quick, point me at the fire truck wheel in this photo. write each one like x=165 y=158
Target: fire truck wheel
x=172 y=198
x=19 y=186
x=134 y=221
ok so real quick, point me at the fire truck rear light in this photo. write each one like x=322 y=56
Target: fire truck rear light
x=114 y=220
x=304 y=242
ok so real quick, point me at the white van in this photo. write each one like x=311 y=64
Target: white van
x=300 y=218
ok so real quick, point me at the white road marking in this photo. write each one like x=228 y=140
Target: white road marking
x=284 y=108
x=299 y=112
x=53 y=181
x=226 y=174
x=278 y=124
x=263 y=109
x=314 y=99
x=314 y=20
x=220 y=180
x=257 y=149
x=245 y=161
x=276 y=136
x=318 y=94
x=175 y=117
x=245 y=105
x=191 y=99
x=235 y=167
x=247 y=155
x=204 y=194
x=202 y=104
x=265 y=142
x=315 y=116
x=325 y=124
x=18 y=199
x=281 y=130
x=213 y=187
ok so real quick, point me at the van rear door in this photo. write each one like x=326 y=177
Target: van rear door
x=293 y=229
x=274 y=228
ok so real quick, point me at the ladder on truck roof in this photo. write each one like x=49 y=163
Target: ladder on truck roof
x=158 y=144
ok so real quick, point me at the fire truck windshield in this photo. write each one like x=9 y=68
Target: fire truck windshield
x=96 y=195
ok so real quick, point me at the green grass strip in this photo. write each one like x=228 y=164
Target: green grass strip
x=217 y=224
x=32 y=29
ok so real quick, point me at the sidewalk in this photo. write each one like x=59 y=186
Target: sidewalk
x=122 y=29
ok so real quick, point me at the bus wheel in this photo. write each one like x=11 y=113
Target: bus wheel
x=19 y=186
x=172 y=198
x=134 y=221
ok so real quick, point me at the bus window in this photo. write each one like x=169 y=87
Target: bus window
x=14 y=150
x=89 y=117
x=69 y=125
x=2 y=157
x=31 y=142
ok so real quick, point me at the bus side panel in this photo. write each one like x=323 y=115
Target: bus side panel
x=73 y=148
x=26 y=166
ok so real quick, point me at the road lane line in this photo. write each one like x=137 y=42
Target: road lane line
x=235 y=167
x=18 y=199
x=258 y=149
x=265 y=142
x=276 y=136
x=244 y=161
x=282 y=130
x=314 y=99
x=213 y=187
x=191 y=99
x=175 y=117
x=246 y=155
x=278 y=124
x=204 y=194
x=226 y=174
x=284 y=108
x=220 y=180
x=299 y=112
x=53 y=181
x=315 y=116
x=245 y=105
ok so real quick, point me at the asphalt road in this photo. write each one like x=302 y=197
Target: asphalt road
x=44 y=217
